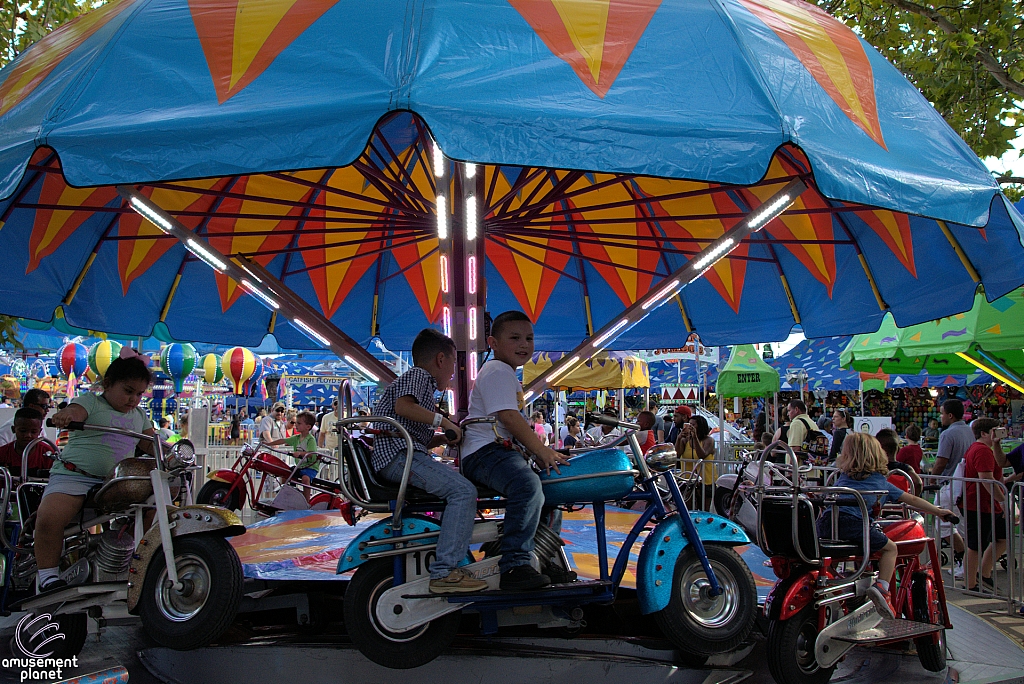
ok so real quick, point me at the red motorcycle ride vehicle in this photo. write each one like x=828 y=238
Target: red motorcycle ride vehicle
x=233 y=488
x=818 y=610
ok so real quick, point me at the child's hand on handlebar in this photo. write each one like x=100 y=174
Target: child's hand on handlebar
x=948 y=515
x=449 y=428
x=548 y=458
x=63 y=418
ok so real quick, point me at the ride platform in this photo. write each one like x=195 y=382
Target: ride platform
x=305 y=546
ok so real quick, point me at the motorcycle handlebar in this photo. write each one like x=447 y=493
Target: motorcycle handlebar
x=602 y=419
x=73 y=425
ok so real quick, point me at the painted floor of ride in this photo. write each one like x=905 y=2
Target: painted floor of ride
x=306 y=545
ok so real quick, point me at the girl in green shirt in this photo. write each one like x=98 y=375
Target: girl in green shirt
x=89 y=456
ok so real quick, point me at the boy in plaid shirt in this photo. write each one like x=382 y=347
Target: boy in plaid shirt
x=410 y=401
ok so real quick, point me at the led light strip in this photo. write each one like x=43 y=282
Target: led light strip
x=355 y=364
x=260 y=295
x=442 y=218
x=694 y=269
x=310 y=332
x=471 y=218
x=564 y=370
x=256 y=281
x=995 y=374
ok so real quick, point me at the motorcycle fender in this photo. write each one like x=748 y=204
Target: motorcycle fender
x=656 y=565
x=728 y=481
x=356 y=552
x=197 y=519
x=790 y=596
x=225 y=476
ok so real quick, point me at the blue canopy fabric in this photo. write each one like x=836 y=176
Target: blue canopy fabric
x=820 y=358
x=618 y=138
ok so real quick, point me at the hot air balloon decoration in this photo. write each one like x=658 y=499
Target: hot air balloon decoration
x=178 y=361
x=238 y=365
x=209 y=367
x=100 y=356
x=257 y=376
x=72 y=358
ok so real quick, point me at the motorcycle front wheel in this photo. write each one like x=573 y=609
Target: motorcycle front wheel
x=790 y=649
x=723 y=500
x=216 y=493
x=701 y=624
x=205 y=606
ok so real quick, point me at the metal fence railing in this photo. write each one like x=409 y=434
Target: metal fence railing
x=981 y=529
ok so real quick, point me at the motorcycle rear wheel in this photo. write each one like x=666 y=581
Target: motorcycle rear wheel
x=397 y=650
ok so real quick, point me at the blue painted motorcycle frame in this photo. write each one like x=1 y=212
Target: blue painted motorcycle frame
x=672 y=534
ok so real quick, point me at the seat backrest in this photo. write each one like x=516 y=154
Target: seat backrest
x=361 y=477
x=777 y=528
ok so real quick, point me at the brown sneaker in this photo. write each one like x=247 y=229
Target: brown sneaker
x=457 y=582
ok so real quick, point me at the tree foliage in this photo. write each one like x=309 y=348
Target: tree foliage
x=24 y=22
x=966 y=57
x=9 y=333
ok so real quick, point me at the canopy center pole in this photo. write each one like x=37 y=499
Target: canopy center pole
x=462 y=255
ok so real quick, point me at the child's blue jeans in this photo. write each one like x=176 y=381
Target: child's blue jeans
x=506 y=471
x=459 y=495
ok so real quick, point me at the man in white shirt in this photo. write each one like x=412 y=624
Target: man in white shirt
x=328 y=438
x=605 y=434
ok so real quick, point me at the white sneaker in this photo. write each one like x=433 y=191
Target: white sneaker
x=958 y=571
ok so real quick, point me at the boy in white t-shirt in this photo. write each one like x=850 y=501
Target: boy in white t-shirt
x=499 y=393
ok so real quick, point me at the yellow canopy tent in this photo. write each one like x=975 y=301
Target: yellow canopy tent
x=607 y=370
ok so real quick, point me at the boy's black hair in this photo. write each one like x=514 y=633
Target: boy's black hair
x=889 y=441
x=307 y=417
x=121 y=370
x=505 y=318
x=913 y=432
x=428 y=344
x=954 y=407
x=27 y=414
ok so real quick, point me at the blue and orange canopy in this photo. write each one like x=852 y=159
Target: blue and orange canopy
x=616 y=139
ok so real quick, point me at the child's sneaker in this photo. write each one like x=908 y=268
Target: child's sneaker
x=523 y=578
x=457 y=582
x=880 y=597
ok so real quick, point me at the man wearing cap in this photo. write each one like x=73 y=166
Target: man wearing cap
x=680 y=418
x=272 y=425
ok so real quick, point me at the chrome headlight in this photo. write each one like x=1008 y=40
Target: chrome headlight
x=662 y=457
x=183 y=455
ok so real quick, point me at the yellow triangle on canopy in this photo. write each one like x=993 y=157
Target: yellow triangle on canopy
x=255 y=20
x=994 y=330
x=586 y=22
x=916 y=337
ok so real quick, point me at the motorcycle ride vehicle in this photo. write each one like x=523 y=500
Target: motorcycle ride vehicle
x=233 y=487
x=734 y=492
x=181 y=576
x=688 y=575
x=817 y=611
